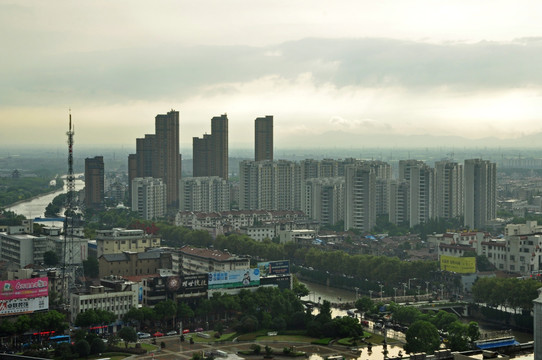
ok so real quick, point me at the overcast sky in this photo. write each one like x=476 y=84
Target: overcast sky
x=367 y=68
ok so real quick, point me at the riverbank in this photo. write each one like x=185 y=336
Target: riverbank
x=12 y=205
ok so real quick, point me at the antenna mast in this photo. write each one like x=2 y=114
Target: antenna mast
x=70 y=188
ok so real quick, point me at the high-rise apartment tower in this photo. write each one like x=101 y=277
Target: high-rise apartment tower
x=157 y=155
x=480 y=192
x=263 y=138
x=210 y=153
x=94 y=182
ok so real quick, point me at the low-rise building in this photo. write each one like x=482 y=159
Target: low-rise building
x=198 y=260
x=21 y=248
x=129 y=263
x=118 y=299
x=117 y=240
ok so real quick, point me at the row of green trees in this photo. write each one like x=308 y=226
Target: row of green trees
x=373 y=268
x=43 y=321
x=511 y=292
x=265 y=308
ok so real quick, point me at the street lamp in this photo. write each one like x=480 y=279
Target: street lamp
x=371 y=294
x=418 y=289
x=409 y=282
x=356 y=288
x=381 y=286
x=404 y=289
x=427 y=288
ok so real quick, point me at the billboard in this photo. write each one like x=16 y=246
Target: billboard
x=460 y=265
x=24 y=288
x=282 y=281
x=194 y=283
x=269 y=268
x=23 y=306
x=234 y=278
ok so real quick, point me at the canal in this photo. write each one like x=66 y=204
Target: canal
x=319 y=293
x=35 y=207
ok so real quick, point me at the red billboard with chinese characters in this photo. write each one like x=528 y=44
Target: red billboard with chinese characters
x=24 y=288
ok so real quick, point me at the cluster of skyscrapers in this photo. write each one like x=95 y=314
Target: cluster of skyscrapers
x=154 y=171
x=350 y=190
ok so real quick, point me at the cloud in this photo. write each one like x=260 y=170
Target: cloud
x=178 y=72
x=365 y=125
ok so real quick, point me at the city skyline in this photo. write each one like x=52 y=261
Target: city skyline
x=331 y=72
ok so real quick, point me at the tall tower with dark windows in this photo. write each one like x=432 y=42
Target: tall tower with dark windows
x=219 y=132
x=167 y=156
x=157 y=155
x=94 y=182
x=210 y=152
x=263 y=138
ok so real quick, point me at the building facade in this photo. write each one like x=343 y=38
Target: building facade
x=480 y=191
x=421 y=180
x=118 y=240
x=149 y=196
x=360 y=210
x=22 y=249
x=118 y=301
x=199 y=260
x=204 y=194
x=449 y=189
x=322 y=199
x=263 y=138
x=129 y=263
x=157 y=155
x=269 y=185
x=94 y=182
x=210 y=153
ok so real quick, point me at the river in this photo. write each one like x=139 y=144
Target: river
x=35 y=207
x=319 y=293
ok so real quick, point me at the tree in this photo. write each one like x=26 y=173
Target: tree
x=364 y=304
x=325 y=313
x=184 y=311
x=91 y=267
x=97 y=346
x=299 y=289
x=94 y=317
x=422 y=336
x=473 y=331
x=166 y=310
x=443 y=319
x=50 y=258
x=406 y=314
x=134 y=315
x=82 y=348
x=127 y=334
x=458 y=339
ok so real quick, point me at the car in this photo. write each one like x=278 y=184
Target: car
x=186 y=331
x=171 y=332
x=143 y=335
x=198 y=330
x=158 y=334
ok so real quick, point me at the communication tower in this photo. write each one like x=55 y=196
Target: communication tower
x=69 y=268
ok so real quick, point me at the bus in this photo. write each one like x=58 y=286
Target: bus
x=59 y=339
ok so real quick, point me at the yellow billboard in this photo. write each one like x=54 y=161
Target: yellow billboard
x=461 y=265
